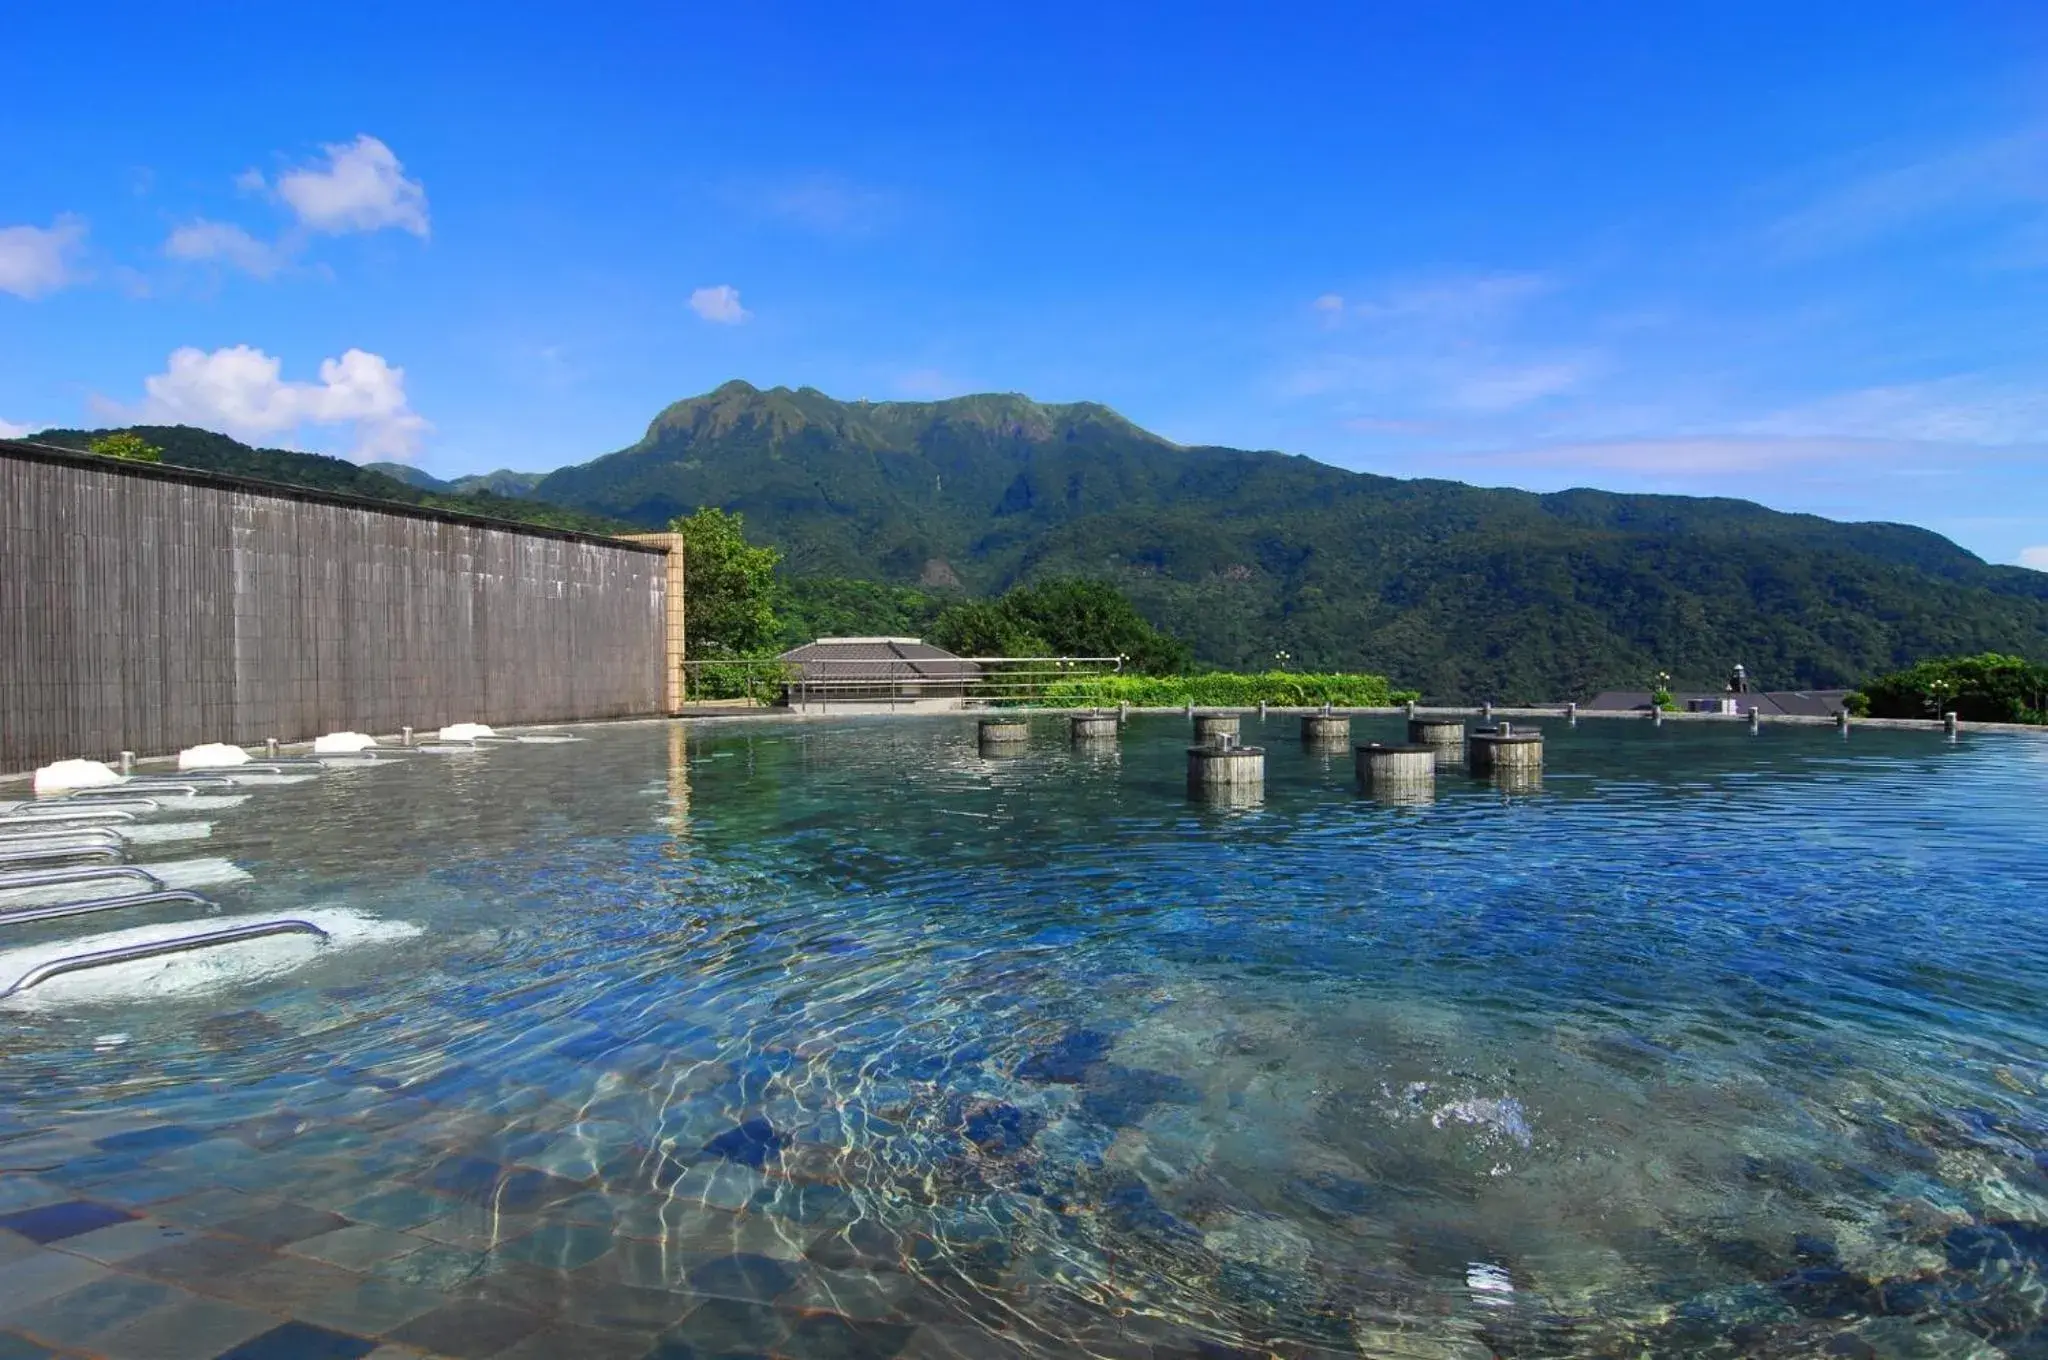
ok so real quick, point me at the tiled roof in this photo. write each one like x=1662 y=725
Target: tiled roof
x=877 y=659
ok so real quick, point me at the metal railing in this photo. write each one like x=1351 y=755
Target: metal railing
x=884 y=683
x=84 y=873
x=61 y=854
x=93 y=906
x=207 y=939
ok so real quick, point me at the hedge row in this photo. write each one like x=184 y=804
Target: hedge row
x=1225 y=689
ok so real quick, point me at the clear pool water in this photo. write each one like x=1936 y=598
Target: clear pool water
x=1711 y=1044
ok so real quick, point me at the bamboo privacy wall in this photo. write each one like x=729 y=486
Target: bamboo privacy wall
x=150 y=608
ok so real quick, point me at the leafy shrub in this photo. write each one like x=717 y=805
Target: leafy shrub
x=1985 y=688
x=1227 y=689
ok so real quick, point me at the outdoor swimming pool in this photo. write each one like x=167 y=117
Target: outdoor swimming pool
x=837 y=1039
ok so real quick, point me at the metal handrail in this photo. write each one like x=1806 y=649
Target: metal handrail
x=94 y=807
x=62 y=835
x=102 y=958
x=60 y=818
x=92 y=906
x=182 y=786
x=83 y=873
x=102 y=852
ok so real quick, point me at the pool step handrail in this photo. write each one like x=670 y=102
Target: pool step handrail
x=107 y=853
x=92 y=906
x=181 y=944
x=82 y=873
x=58 y=808
x=98 y=816
x=189 y=787
x=59 y=835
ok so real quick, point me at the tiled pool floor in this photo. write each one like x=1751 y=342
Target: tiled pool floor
x=258 y=1242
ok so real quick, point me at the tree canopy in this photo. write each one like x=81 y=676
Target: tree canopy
x=1068 y=617
x=730 y=591
x=1984 y=688
x=127 y=446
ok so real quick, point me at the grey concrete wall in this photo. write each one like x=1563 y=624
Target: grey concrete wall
x=149 y=609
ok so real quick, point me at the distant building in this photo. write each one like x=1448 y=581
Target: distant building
x=876 y=674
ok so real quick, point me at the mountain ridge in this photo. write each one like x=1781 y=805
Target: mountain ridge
x=1465 y=591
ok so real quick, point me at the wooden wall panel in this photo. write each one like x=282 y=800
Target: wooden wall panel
x=149 y=609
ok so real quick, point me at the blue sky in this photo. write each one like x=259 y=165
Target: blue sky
x=1796 y=253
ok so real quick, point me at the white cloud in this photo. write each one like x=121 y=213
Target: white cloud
x=360 y=187
x=1960 y=410
x=1988 y=178
x=1329 y=302
x=720 y=304
x=227 y=244
x=10 y=430
x=240 y=391
x=38 y=260
x=2037 y=558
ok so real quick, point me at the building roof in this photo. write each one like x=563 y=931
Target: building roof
x=877 y=658
x=1805 y=703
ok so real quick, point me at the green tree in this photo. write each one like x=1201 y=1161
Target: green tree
x=1984 y=688
x=729 y=587
x=127 y=446
x=986 y=628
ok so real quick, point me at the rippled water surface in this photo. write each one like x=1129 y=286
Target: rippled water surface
x=1710 y=1044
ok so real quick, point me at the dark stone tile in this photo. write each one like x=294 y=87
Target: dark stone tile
x=562 y=1246
x=468 y=1329
x=273 y=1129
x=1067 y=1061
x=615 y=1307
x=301 y=1341
x=284 y=1223
x=84 y=1170
x=807 y=1202
x=203 y=1264
x=470 y=1178
x=77 y=1317
x=750 y=1143
x=828 y=1336
x=287 y=1284
x=527 y=1191
x=143 y=1142
x=55 y=1222
x=398 y=1208
x=743 y=1276
x=372 y=1306
x=862 y=1245
x=723 y=1327
x=565 y=1341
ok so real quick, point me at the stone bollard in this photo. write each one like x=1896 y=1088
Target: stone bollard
x=1191 y=708
x=1385 y=767
x=1209 y=726
x=1325 y=729
x=1950 y=723
x=405 y=736
x=1486 y=710
x=1656 y=716
x=1841 y=720
x=1571 y=712
x=1756 y=719
x=1222 y=766
x=270 y=745
x=1411 y=710
x=1504 y=749
x=1093 y=727
x=1436 y=731
x=1003 y=736
x=127 y=762
x=1262 y=710
x=1123 y=710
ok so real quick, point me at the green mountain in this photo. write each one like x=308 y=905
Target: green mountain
x=503 y=482
x=203 y=449
x=1461 y=591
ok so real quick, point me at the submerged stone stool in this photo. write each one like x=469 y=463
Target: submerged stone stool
x=1502 y=749
x=1325 y=729
x=1436 y=731
x=1093 y=727
x=1381 y=767
x=1004 y=736
x=1222 y=765
x=1209 y=726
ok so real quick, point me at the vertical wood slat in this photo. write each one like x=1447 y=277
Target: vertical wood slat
x=149 y=609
